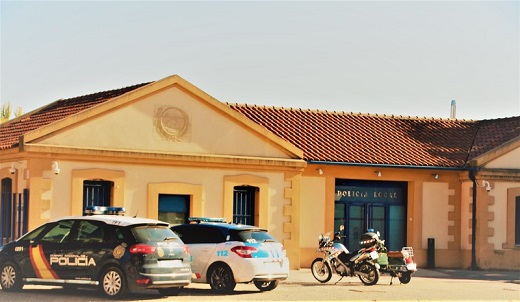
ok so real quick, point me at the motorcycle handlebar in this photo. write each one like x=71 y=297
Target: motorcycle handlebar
x=338 y=236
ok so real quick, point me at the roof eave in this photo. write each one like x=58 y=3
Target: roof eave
x=495 y=153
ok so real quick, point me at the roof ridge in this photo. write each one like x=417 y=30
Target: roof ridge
x=61 y=100
x=130 y=87
x=501 y=118
x=377 y=115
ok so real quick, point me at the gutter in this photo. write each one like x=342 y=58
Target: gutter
x=332 y=163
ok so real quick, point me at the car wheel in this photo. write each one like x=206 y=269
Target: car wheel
x=10 y=277
x=171 y=291
x=266 y=285
x=221 y=279
x=112 y=283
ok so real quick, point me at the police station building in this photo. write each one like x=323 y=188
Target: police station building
x=165 y=149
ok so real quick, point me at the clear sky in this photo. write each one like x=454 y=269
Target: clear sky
x=407 y=58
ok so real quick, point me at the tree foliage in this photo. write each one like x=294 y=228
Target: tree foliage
x=6 y=111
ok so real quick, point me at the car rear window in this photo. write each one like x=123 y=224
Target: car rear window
x=149 y=233
x=253 y=236
x=199 y=233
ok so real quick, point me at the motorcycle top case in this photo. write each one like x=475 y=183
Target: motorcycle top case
x=368 y=239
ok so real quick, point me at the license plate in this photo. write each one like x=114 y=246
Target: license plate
x=374 y=255
x=169 y=263
x=275 y=265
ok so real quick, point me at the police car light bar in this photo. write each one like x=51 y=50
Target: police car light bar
x=206 y=219
x=97 y=210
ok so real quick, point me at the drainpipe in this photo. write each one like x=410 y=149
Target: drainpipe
x=471 y=174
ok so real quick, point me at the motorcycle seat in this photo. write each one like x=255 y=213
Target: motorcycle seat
x=395 y=254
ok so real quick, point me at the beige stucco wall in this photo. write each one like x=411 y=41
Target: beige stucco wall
x=137 y=178
x=510 y=160
x=312 y=216
x=313 y=213
x=132 y=128
x=435 y=212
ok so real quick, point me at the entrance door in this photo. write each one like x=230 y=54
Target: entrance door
x=363 y=205
x=360 y=219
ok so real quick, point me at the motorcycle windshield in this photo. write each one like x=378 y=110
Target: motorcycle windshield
x=340 y=247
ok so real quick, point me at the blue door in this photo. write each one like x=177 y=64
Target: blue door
x=174 y=208
x=363 y=205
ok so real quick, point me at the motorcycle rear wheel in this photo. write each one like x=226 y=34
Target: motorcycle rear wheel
x=321 y=270
x=405 y=278
x=371 y=271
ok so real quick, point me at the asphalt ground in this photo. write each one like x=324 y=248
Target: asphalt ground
x=426 y=285
x=305 y=275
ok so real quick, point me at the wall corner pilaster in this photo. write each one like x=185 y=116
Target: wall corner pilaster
x=292 y=213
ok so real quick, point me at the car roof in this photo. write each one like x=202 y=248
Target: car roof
x=116 y=220
x=223 y=225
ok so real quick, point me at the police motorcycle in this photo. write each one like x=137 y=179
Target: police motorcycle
x=337 y=259
x=399 y=264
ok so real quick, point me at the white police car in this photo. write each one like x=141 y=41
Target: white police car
x=226 y=254
x=116 y=253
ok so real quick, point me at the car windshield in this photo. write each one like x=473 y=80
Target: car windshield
x=149 y=233
x=34 y=233
x=255 y=236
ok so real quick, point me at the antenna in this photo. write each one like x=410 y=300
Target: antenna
x=453 y=110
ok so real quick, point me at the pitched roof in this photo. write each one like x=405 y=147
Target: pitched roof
x=328 y=136
x=10 y=131
x=493 y=134
x=386 y=140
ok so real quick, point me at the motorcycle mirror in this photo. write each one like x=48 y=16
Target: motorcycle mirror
x=378 y=235
x=341 y=227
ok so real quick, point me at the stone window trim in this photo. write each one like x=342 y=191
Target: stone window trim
x=512 y=193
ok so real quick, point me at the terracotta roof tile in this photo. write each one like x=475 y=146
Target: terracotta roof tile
x=386 y=140
x=10 y=131
x=493 y=133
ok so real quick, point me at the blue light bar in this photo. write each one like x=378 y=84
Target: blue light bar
x=206 y=219
x=97 y=210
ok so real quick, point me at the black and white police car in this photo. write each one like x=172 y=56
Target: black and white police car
x=226 y=254
x=103 y=248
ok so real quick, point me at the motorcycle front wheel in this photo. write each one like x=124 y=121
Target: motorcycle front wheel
x=321 y=270
x=370 y=273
